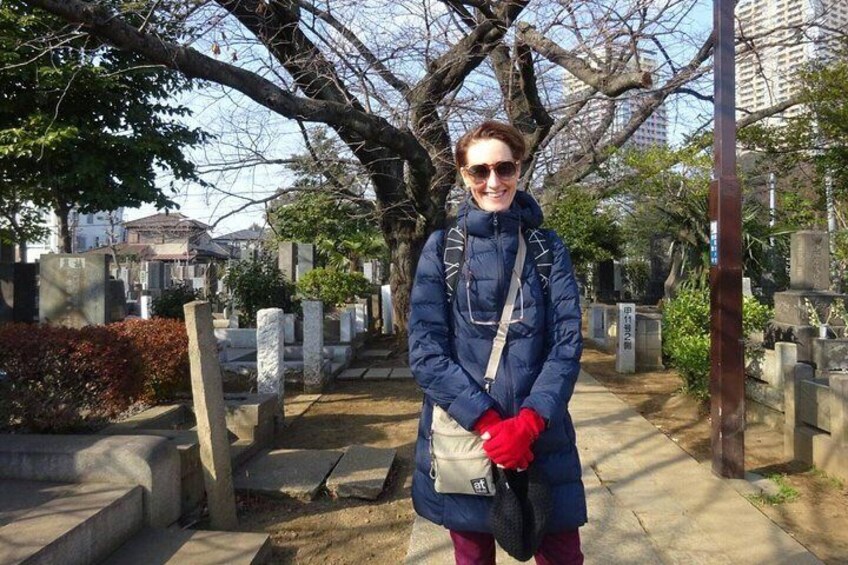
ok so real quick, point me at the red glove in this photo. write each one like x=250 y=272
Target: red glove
x=511 y=440
x=489 y=418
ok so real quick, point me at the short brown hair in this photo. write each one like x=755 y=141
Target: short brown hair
x=491 y=129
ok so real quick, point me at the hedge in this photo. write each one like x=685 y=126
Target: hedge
x=55 y=379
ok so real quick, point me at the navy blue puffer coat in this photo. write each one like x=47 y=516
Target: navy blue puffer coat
x=448 y=356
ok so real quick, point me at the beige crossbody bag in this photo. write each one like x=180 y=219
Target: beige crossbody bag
x=459 y=464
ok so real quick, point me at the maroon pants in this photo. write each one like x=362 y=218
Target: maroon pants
x=476 y=548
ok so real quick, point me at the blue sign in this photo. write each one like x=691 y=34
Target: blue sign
x=713 y=242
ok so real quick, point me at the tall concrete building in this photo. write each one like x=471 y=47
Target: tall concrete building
x=653 y=131
x=768 y=74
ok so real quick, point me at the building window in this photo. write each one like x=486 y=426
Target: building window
x=89 y=218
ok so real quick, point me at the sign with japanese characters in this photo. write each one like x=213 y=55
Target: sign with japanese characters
x=625 y=356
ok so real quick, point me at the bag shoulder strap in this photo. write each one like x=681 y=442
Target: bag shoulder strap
x=503 y=325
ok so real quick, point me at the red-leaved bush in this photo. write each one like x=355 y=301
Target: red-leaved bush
x=162 y=347
x=55 y=379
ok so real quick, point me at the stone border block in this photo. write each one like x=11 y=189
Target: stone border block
x=150 y=462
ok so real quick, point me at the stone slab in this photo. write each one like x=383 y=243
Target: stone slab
x=351 y=374
x=361 y=472
x=297 y=473
x=297 y=405
x=809 y=260
x=378 y=373
x=375 y=354
x=179 y=547
x=402 y=373
x=81 y=525
x=73 y=290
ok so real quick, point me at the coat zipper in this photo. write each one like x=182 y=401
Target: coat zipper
x=506 y=376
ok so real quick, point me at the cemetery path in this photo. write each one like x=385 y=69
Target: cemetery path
x=385 y=414
x=817 y=517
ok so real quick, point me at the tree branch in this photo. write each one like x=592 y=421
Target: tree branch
x=610 y=85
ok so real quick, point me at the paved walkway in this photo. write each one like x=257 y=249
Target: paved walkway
x=649 y=501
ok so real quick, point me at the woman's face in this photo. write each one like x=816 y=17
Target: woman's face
x=491 y=174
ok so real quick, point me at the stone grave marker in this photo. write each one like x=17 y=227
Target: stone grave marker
x=270 y=356
x=287 y=259
x=313 y=345
x=386 y=308
x=73 y=290
x=208 y=395
x=305 y=259
x=625 y=353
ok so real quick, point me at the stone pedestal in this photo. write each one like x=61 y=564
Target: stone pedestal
x=839 y=410
x=313 y=346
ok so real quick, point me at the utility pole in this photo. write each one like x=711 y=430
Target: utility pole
x=727 y=384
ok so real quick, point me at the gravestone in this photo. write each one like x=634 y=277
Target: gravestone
x=208 y=396
x=7 y=292
x=809 y=261
x=270 y=366
x=288 y=328
x=386 y=308
x=26 y=292
x=117 y=301
x=153 y=275
x=287 y=259
x=305 y=259
x=362 y=315
x=313 y=346
x=809 y=283
x=347 y=323
x=376 y=301
x=146 y=306
x=606 y=281
x=625 y=354
x=73 y=290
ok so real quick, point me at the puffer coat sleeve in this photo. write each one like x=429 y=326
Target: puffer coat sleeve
x=563 y=341
x=430 y=357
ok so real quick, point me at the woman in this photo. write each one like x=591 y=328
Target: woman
x=524 y=416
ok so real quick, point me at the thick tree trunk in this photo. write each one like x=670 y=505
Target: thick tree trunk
x=65 y=240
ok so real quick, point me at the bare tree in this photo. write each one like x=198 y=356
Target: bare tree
x=397 y=79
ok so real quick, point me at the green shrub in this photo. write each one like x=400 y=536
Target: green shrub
x=170 y=303
x=61 y=379
x=333 y=287
x=256 y=284
x=686 y=334
x=161 y=346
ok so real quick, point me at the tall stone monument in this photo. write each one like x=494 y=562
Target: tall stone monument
x=809 y=273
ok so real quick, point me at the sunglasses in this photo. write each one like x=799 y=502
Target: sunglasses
x=505 y=170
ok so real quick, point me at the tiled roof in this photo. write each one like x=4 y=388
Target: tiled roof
x=163 y=220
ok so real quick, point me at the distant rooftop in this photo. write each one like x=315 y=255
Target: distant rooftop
x=163 y=220
x=242 y=235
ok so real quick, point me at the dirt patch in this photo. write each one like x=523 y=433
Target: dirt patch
x=818 y=515
x=337 y=531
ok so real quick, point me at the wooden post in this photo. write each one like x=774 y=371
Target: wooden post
x=208 y=393
x=727 y=378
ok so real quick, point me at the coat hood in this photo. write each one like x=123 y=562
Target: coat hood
x=524 y=212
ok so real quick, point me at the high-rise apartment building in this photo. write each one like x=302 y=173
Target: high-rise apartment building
x=767 y=74
x=653 y=131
